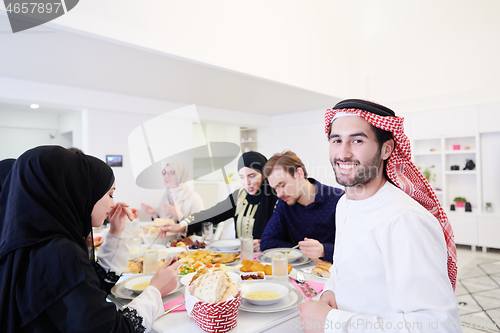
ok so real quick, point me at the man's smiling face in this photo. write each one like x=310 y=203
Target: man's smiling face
x=354 y=151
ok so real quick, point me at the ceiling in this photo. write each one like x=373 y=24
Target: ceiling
x=46 y=55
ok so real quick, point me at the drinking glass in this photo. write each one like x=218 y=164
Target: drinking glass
x=207 y=231
x=280 y=267
x=247 y=248
x=150 y=260
x=135 y=248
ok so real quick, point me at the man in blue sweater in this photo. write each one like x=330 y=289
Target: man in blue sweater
x=305 y=212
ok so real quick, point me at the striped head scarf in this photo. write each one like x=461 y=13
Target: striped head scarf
x=400 y=169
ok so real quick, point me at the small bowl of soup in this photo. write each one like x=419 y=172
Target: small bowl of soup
x=263 y=292
x=138 y=283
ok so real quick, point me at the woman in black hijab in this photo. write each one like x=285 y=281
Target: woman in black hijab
x=5 y=166
x=53 y=197
x=251 y=206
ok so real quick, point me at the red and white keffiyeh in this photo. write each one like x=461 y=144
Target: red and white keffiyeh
x=402 y=171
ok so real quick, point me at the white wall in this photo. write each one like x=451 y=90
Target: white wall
x=303 y=133
x=71 y=122
x=415 y=53
x=22 y=130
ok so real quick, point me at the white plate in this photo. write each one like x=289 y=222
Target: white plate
x=226 y=244
x=131 y=282
x=290 y=301
x=309 y=271
x=120 y=291
x=293 y=254
x=235 y=278
x=251 y=286
x=301 y=261
x=216 y=250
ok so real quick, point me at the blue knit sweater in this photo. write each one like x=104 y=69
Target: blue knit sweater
x=290 y=224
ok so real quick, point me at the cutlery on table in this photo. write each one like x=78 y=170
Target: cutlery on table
x=302 y=279
x=173 y=308
x=303 y=288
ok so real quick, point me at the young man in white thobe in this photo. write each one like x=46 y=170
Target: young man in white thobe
x=395 y=260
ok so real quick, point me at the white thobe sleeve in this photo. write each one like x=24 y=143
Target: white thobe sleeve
x=113 y=253
x=415 y=261
x=149 y=306
x=330 y=284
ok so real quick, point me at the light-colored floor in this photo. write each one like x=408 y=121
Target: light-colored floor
x=478 y=289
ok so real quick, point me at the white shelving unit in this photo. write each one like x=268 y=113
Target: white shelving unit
x=249 y=140
x=448 y=184
x=476 y=228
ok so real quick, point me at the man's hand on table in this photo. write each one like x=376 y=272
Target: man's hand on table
x=328 y=298
x=311 y=248
x=256 y=245
x=313 y=315
x=118 y=216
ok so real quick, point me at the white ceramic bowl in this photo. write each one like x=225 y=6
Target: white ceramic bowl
x=249 y=286
x=293 y=254
x=226 y=244
x=131 y=283
x=170 y=252
x=149 y=239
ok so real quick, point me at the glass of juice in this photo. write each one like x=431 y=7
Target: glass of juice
x=280 y=267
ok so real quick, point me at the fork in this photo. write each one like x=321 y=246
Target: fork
x=302 y=280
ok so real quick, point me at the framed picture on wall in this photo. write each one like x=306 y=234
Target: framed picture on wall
x=114 y=160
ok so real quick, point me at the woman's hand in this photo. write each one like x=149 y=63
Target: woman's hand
x=311 y=248
x=256 y=245
x=172 y=210
x=118 y=216
x=149 y=210
x=165 y=279
x=172 y=227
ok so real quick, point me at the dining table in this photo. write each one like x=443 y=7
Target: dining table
x=248 y=322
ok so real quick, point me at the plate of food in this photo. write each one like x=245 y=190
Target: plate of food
x=191 y=268
x=252 y=276
x=293 y=254
x=120 y=291
x=206 y=257
x=188 y=243
x=138 y=283
x=263 y=292
x=248 y=266
x=135 y=266
x=187 y=279
x=321 y=270
x=290 y=301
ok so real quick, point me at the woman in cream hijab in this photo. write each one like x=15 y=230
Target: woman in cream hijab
x=179 y=200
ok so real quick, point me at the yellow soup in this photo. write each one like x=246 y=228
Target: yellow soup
x=262 y=294
x=141 y=286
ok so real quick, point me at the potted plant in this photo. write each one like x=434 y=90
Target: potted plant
x=428 y=174
x=459 y=202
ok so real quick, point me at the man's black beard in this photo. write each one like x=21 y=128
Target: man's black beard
x=363 y=176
